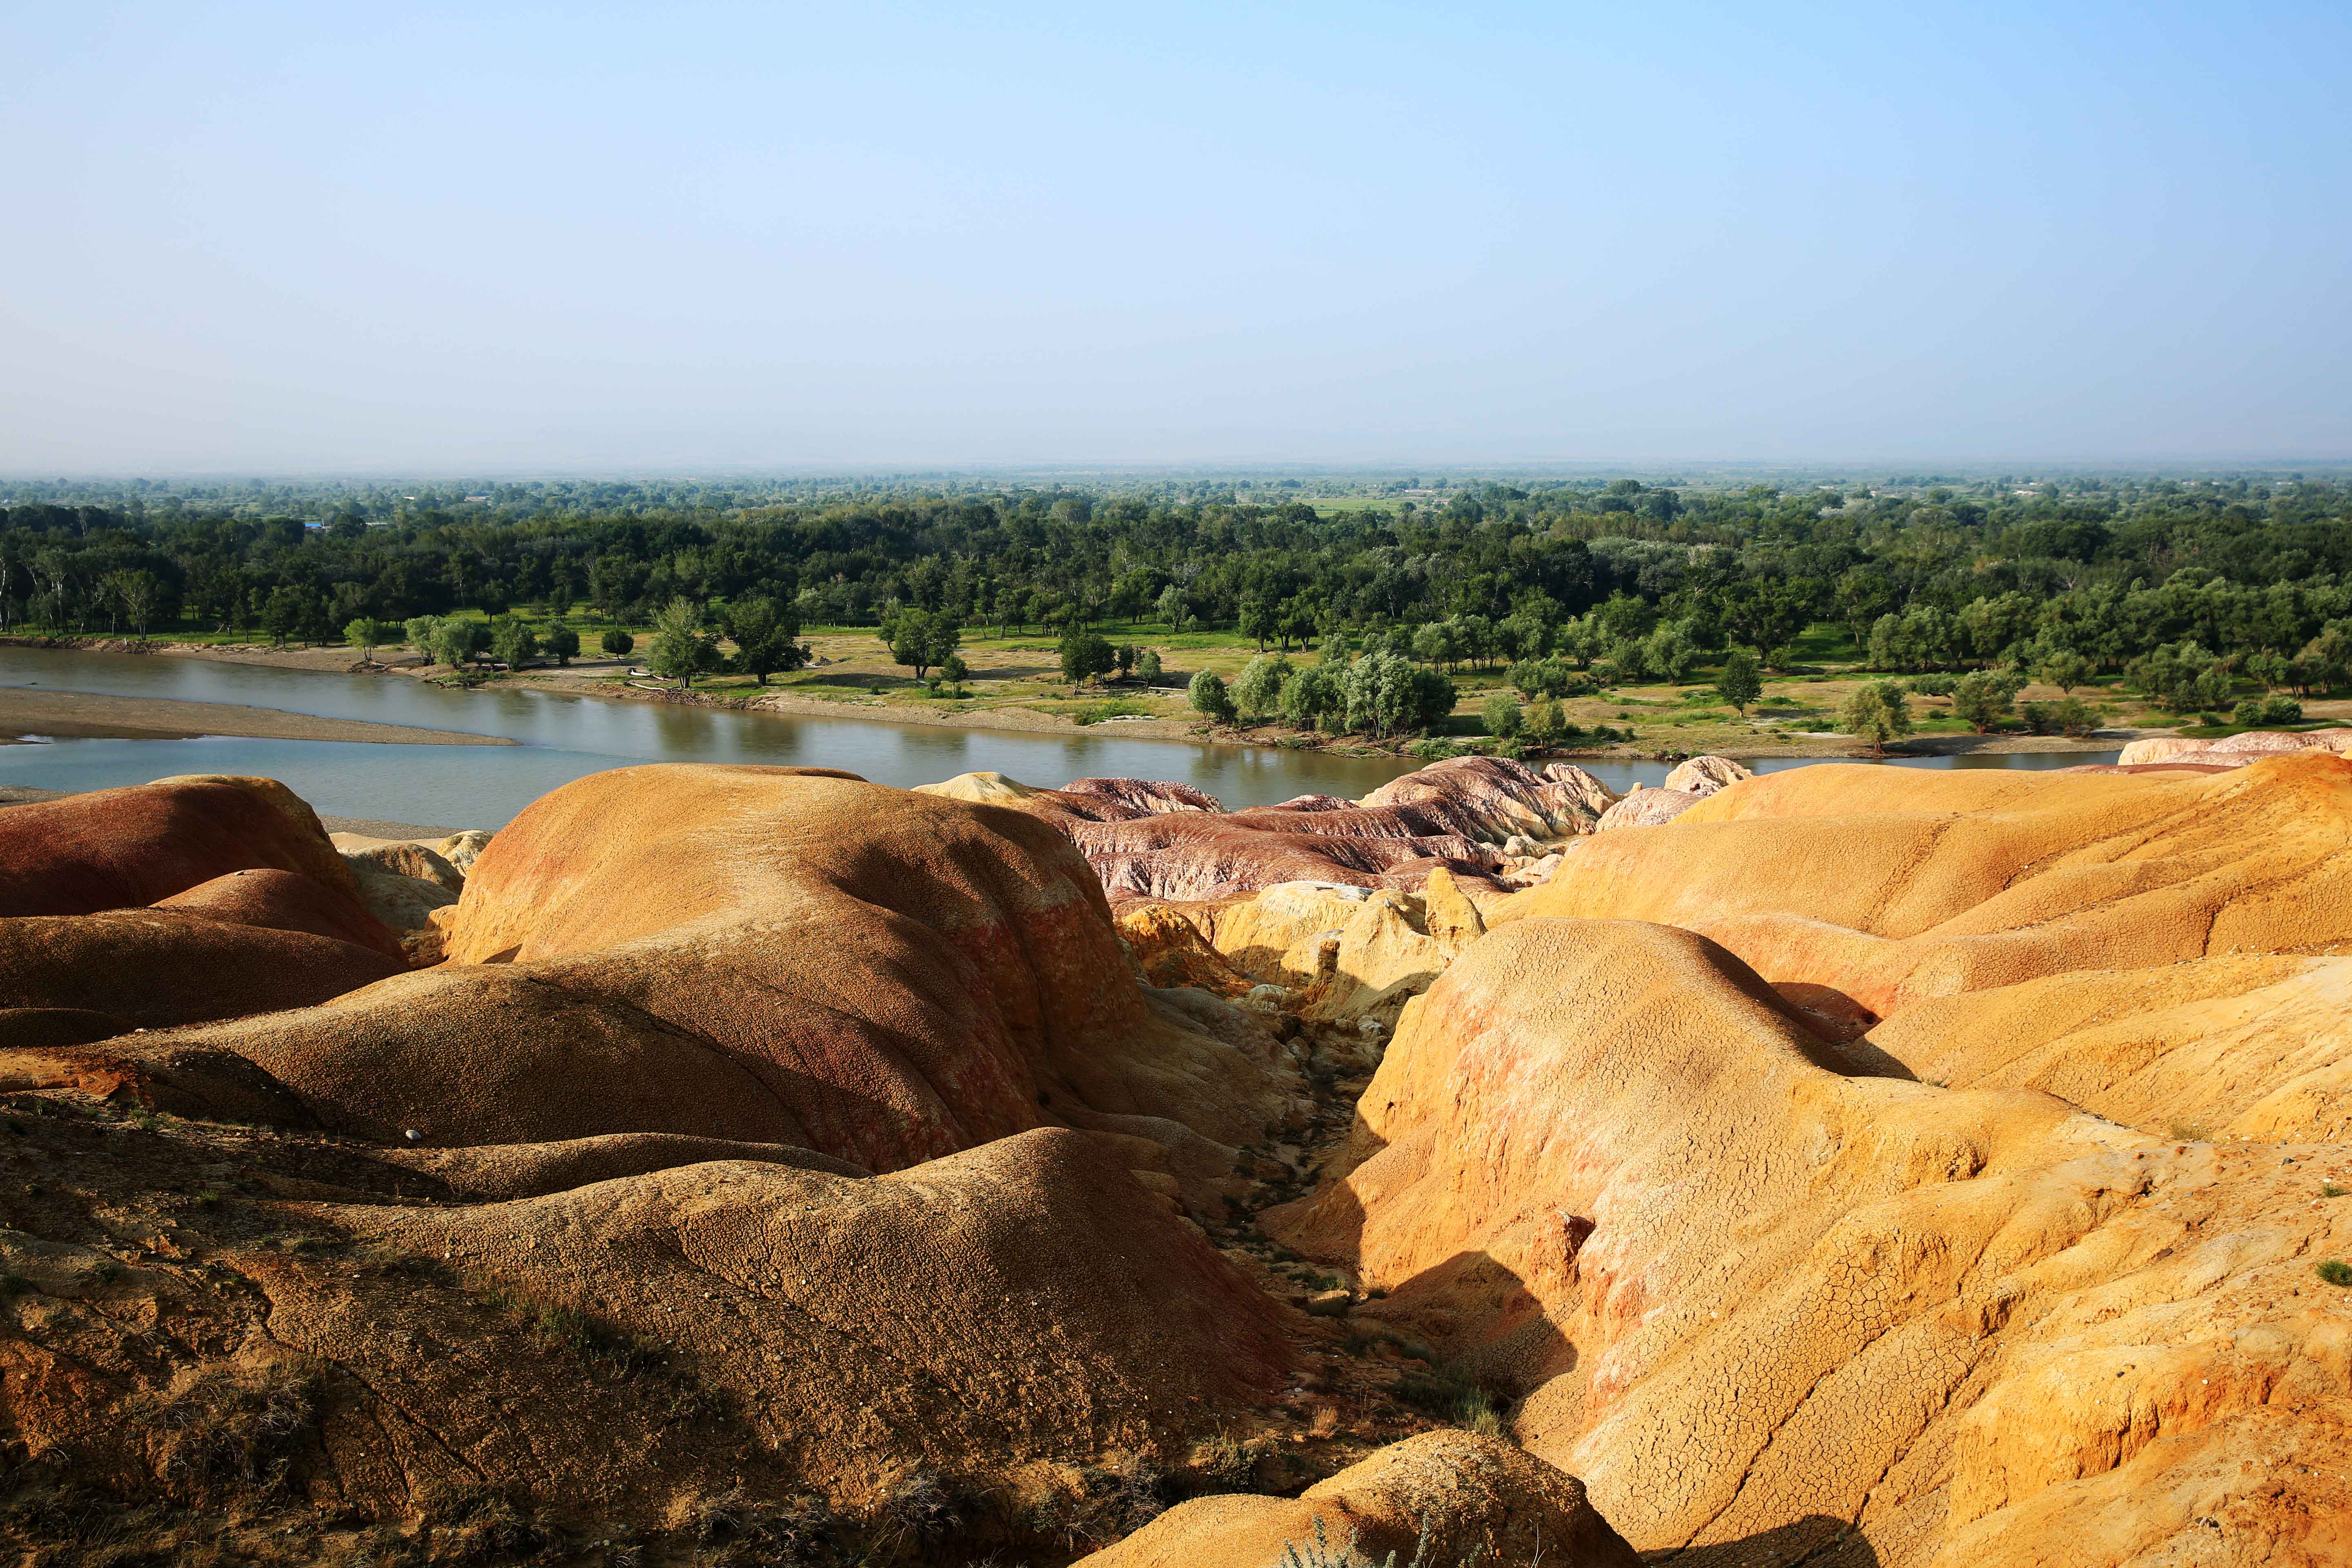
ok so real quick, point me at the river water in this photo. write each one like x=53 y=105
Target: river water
x=562 y=738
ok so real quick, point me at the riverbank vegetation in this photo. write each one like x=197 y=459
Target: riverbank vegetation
x=1531 y=613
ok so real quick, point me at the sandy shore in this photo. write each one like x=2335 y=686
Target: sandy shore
x=81 y=715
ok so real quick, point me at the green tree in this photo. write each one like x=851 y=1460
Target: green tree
x=1670 y=651
x=1741 y=682
x=1259 y=619
x=1314 y=696
x=564 y=643
x=617 y=643
x=1535 y=677
x=766 y=638
x=457 y=643
x=681 y=650
x=367 y=634
x=137 y=594
x=1503 y=715
x=1630 y=658
x=2326 y=659
x=2182 y=677
x=1146 y=665
x=418 y=631
x=1258 y=693
x=285 y=612
x=1985 y=698
x=1084 y=653
x=1389 y=694
x=1171 y=607
x=2267 y=668
x=2067 y=669
x=1546 y=721
x=920 y=638
x=1876 y=711
x=1208 y=696
x=513 y=642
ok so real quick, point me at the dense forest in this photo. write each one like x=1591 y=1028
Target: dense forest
x=2182 y=585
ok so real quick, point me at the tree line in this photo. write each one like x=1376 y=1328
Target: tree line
x=2187 y=589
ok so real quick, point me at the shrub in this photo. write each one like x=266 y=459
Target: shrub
x=917 y=1508
x=617 y=643
x=233 y=1429
x=1146 y=665
x=1503 y=716
x=1452 y=1398
x=481 y=1524
x=1933 y=685
x=2335 y=1272
x=2256 y=711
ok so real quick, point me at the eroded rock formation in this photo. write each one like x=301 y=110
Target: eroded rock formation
x=1169 y=842
x=704 y=950
x=1747 y=1297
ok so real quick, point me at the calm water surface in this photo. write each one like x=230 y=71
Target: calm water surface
x=562 y=738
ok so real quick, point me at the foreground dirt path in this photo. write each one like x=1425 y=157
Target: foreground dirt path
x=83 y=715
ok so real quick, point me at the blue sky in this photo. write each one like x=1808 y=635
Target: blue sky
x=324 y=237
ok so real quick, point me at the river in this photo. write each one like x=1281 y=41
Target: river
x=561 y=738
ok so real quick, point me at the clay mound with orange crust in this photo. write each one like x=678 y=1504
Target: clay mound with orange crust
x=1759 y=1305
x=121 y=849
x=668 y=1339
x=1889 y=885
x=775 y=954
x=154 y=968
x=1022 y=1303
x=285 y=900
x=252 y=910
x=1444 y=1496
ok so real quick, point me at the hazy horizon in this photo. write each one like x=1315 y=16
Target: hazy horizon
x=513 y=241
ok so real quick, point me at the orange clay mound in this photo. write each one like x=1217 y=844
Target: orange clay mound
x=285 y=900
x=1452 y=1497
x=2213 y=1048
x=1889 y=885
x=1757 y=1305
x=1021 y=1302
x=117 y=848
x=778 y=956
x=152 y=968
x=254 y=910
x=774 y=1344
